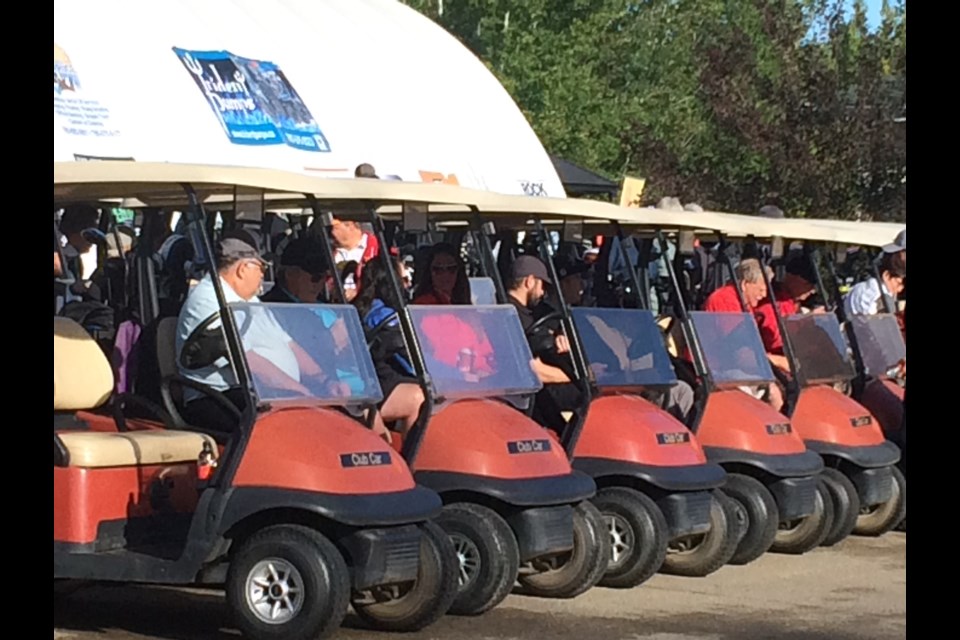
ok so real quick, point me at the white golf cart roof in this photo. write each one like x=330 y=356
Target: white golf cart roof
x=298 y=85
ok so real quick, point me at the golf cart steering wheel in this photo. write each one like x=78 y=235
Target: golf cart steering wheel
x=553 y=315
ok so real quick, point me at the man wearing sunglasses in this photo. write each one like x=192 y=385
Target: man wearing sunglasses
x=302 y=275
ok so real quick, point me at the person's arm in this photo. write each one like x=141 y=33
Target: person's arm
x=310 y=368
x=779 y=361
x=548 y=374
x=271 y=375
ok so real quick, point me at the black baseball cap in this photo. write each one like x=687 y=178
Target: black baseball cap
x=529 y=266
x=307 y=254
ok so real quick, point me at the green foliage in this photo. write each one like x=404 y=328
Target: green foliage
x=731 y=103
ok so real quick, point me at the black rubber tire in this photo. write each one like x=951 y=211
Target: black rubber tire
x=704 y=554
x=580 y=570
x=430 y=597
x=846 y=505
x=325 y=583
x=498 y=551
x=761 y=513
x=883 y=518
x=807 y=533
x=646 y=536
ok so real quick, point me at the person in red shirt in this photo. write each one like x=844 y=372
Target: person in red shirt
x=798 y=285
x=750 y=278
x=726 y=299
x=452 y=341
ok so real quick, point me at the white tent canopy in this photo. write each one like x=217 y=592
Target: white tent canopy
x=296 y=85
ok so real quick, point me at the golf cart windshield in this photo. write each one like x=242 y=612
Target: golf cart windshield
x=307 y=354
x=732 y=347
x=624 y=347
x=475 y=352
x=879 y=341
x=820 y=348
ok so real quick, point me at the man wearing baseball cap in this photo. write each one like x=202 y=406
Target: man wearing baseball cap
x=272 y=354
x=526 y=290
x=899 y=245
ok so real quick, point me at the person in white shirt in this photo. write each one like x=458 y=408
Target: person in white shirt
x=866 y=298
x=273 y=357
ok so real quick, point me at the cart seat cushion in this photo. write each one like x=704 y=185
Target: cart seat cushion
x=93 y=449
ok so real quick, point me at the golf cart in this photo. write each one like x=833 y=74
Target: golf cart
x=297 y=513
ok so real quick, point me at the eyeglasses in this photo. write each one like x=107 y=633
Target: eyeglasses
x=445 y=268
x=259 y=263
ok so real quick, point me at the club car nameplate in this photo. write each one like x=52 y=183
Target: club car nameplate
x=861 y=421
x=366 y=459
x=779 y=429
x=528 y=446
x=679 y=437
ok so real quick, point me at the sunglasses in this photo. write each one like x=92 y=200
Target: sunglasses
x=445 y=268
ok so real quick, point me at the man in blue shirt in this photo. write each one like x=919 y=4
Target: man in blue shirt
x=275 y=360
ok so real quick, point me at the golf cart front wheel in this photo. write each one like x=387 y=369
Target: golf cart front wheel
x=488 y=556
x=702 y=554
x=637 y=530
x=876 y=520
x=579 y=570
x=759 y=510
x=426 y=600
x=846 y=505
x=807 y=533
x=288 y=582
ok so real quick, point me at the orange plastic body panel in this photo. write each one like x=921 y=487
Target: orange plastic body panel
x=473 y=437
x=304 y=449
x=631 y=429
x=84 y=498
x=736 y=420
x=826 y=415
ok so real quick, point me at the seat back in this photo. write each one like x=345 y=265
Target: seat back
x=82 y=376
x=167 y=353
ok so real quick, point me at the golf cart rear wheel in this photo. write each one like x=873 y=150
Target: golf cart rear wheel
x=288 y=582
x=637 y=531
x=876 y=520
x=425 y=601
x=488 y=556
x=761 y=514
x=807 y=533
x=846 y=505
x=579 y=570
x=701 y=554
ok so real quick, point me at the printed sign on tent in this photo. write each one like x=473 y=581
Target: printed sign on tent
x=253 y=100
x=78 y=114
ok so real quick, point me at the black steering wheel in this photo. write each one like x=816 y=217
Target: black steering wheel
x=540 y=322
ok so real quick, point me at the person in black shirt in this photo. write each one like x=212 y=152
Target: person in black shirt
x=526 y=290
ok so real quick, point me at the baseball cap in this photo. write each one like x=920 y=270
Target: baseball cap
x=236 y=249
x=306 y=254
x=529 y=266
x=899 y=244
